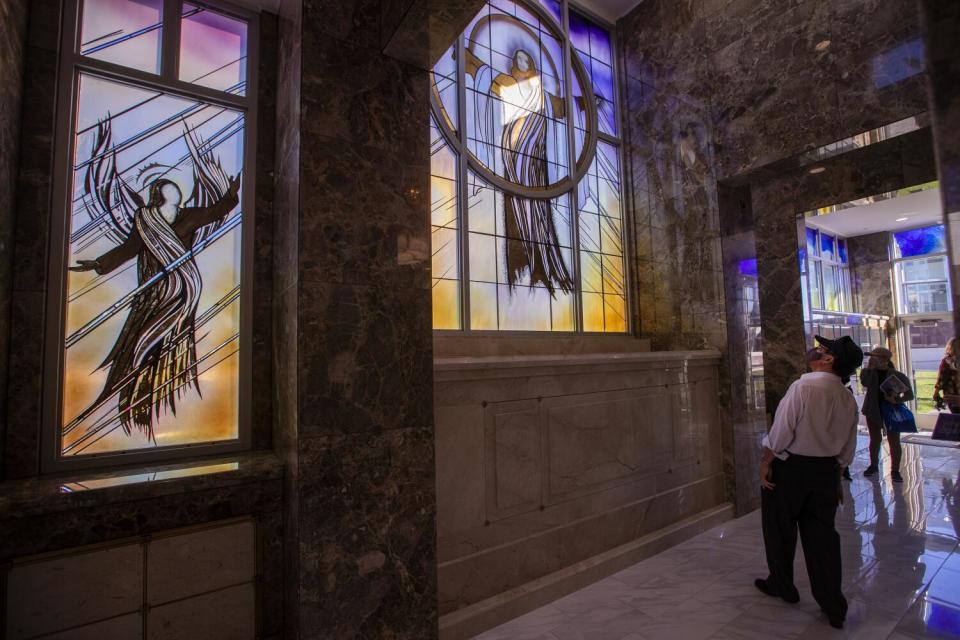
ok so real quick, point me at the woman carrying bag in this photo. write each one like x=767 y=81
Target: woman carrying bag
x=884 y=407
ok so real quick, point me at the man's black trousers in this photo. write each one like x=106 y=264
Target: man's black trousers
x=805 y=499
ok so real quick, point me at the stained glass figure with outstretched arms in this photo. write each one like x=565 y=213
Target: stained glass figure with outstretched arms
x=154 y=359
x=514 y=116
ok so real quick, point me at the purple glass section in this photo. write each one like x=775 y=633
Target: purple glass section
x=600 y=44
x=213 y=50
x=920 y=242
x=125 y=32
x=553 y=8
x=748 y=267
x=602 y=80
x=580 y=34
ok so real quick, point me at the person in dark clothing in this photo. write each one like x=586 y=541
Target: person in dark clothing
x=946 y=391
x=872 y=377
x=814 y=435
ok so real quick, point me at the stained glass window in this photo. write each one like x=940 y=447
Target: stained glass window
x=527 y=209
x=154 y=238
x=213 y=49
x=124 y=32
x=825 y=273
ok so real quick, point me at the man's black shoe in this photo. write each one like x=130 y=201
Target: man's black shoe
x=762 y=585
x=870 y=471
x=836 y=623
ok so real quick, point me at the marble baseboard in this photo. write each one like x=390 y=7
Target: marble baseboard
x=476 y=618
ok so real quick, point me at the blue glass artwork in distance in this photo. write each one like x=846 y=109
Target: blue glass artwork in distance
x=842 y=250
x=748 y=267
x=826 y=246
x=812 y=242
x=920 y=242
x=897 y=64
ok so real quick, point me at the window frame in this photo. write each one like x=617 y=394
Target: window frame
x=71 y=65
x=814 y=272
x=896 y=260
x=463 y=170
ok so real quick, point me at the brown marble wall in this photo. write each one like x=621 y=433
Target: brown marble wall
x=780 y=76
x=941 y=23
x=723 y=91
x=418 y=32
x=285 y=277
x=13 y=35
x=870 y=270
x=676 y=242
x=31 y=239
x=742 y=396
x=38 y=516
x=352 y=317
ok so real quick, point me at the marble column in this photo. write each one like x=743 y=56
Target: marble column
x=940 y=24
x=13 y=33
x=352 y=322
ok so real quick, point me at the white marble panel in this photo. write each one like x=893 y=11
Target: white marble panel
x=61 y=592
x=602 y=439
x=186 y=564
x=512 y=458
x=461 y=491
x=229 y=613
x=128 y=627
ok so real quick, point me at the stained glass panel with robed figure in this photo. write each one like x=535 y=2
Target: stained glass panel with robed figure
x=152 y=309
x=538 y=203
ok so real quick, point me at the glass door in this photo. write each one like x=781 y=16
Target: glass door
x=925 y=340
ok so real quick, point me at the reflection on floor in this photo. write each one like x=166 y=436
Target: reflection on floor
x=901 y=567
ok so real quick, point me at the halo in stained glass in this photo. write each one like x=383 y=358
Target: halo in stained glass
x=517 y=102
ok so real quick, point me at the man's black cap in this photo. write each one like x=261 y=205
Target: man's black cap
x=848 y=355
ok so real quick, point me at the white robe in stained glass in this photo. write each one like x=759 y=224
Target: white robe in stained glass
x=515 y=133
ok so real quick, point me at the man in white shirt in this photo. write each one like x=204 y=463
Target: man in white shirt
x=813 y=437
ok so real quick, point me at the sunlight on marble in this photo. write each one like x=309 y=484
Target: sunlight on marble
x=901 y=565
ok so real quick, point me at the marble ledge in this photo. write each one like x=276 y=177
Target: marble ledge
x=513 y=363
x=82 y=490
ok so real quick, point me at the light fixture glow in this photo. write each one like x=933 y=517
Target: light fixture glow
x=901 y=219
x=823 y=45
x=816 y=170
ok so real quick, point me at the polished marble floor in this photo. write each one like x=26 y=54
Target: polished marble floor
x=901 y=566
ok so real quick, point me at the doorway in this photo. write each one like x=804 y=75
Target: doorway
x=924 y=340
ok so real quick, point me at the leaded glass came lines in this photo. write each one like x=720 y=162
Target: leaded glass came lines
x=527 y=211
